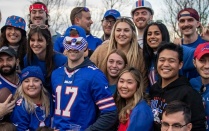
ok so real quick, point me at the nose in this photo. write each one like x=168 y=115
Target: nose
x=13 y=30
x=169 y=129
x=124 y=85
x=91 y=21
x=5 y=63
x=121 y=32
x=114 y=64
x=166 y=63
x=207 y=64
x=30 y=83
x=35 y=43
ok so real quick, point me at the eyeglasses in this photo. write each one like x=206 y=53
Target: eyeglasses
x=175 y=127
x=106 y=22
x=33 y=26
x=82 y=9
x=153 y=22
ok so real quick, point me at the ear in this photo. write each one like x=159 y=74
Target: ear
x=77 y=20
x=151 y=17
x=198 y=24
x=17 y=61
x=180 y=65
x=194 y=62
x=189 y=127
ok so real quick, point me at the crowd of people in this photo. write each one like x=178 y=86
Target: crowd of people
x=133 y=78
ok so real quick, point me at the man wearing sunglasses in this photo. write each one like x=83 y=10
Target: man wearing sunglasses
x=80 y=16
x=39 y=15
x=108 y=21
x=141 y=13
x=81 y=89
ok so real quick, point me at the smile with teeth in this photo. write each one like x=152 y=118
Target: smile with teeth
x=124 y=91
x=165 y=70
x=153 y=41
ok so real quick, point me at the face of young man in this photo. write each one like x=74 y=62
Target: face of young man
x=141 y=18
x=75 y=57
x=85 y=21
x=38 y=16
x=168 y=65
x=175 y=122
x=107 y=25
x=188 y=24
x=7 y=64
x=202 y=66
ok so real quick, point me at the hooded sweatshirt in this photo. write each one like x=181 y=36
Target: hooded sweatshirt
x=204 y=91
x=181 y=90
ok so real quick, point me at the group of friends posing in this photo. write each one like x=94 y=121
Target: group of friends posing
x=133 y=78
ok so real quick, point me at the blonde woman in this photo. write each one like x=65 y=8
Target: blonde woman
x=32 y=108
x=134 y=113
x=124 y=38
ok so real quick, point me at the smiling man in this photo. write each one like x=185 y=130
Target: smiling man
x=141 y=13
x=172 y=87
x=39 y=15
x=201 y=83
x=108 y=21
x=81 y=89
x=189 y=22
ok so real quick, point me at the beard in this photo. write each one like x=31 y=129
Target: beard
x=8 y=72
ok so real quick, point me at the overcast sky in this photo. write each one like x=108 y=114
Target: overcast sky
x=20 y=8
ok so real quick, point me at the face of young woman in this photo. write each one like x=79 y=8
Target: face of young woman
x=123 y=34
x=38 y=44
x=32 y=87
x=127 y=85
x=154 y=37
x=115 y=64
x=13 y=35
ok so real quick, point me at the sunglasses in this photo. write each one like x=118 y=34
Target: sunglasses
x=34 y=26
x=154 y=22
x=82 y=9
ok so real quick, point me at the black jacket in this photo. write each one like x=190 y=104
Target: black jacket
x=179 y=89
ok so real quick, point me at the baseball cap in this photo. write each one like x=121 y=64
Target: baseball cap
x=8 y=50
x=32 y=71
x=140 y=4
x=78 y=42
x=192 y=12
x=201 y=50
x=112 y=12
x=15 y=21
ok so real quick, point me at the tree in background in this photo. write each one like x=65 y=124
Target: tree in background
x=97 y=13
x=174 y=6
x=0 y=16
x=60 y=12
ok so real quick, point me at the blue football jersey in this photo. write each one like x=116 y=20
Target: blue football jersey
x=29 y=121
x=80 y=96
x=5 y=83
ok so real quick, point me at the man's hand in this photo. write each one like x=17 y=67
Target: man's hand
x=177 y=41
x=7 y=106
x=205 y=33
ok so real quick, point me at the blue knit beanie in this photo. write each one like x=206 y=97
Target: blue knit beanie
x=32 y=71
